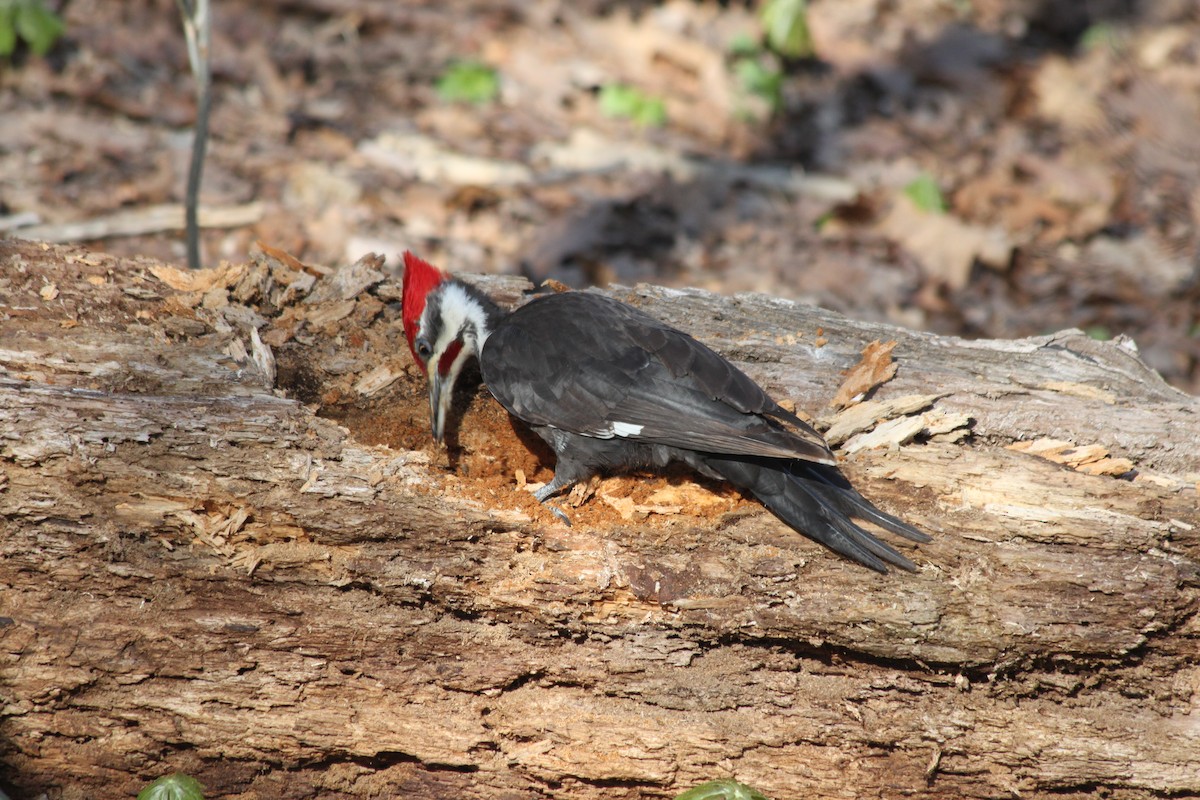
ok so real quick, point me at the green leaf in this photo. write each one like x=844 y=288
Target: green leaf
x=652 y=114
x=722 y=790
x=760 y=80
x=1101 y=34
x=173 y=787
x=8 y=29
x=786 y=25
x=38 y=26
x=618 y=100
x=925 y=194
x=469 y=82
x=744 y=45
x=1100 y=332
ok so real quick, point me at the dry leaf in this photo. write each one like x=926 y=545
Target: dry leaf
x=945 y=246
x=1068 y=91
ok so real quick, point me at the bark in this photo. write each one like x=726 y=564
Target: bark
x=210 y=571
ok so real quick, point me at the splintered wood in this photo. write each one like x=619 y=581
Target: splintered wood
x=1092 y=459
x=875 y=368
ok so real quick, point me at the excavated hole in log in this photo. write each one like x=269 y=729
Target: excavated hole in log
x=486 y=448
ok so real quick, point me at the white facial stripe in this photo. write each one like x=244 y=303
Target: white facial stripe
x=460 y=313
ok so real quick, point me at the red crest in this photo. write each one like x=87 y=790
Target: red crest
x=420 y=277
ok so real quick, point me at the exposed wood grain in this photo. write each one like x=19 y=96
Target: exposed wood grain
x=199 y=573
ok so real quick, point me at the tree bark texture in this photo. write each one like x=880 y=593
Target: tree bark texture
x=229 y=549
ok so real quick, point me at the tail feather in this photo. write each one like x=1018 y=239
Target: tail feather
x=835 y=489
x=819 y=502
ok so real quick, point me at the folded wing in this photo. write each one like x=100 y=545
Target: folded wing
x=591 y=365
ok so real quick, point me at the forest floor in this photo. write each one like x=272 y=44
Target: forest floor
x=1061 y=142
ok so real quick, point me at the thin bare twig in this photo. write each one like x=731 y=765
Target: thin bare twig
x=197 y=26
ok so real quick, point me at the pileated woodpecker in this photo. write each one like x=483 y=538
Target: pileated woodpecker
x=609 y=387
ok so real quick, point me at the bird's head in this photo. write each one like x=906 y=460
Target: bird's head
x=446 y=323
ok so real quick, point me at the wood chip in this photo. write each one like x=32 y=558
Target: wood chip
x=264 y=358
x=1092 y=459
x=689 y=495
x=580 y=493
x=283 y=257
x=875 y=368
x=236 y=349
x=349 y=280
x=328 y=313
x=199 y=280
x=890 y=434
x=866 y=415
x=377 y=380
x=630 y=510
x=896 y=432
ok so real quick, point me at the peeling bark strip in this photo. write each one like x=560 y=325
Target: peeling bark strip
x=201 y=574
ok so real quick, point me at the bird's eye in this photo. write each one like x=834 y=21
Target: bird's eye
x=424 y=350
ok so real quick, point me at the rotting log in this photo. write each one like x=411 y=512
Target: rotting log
x=204 y=572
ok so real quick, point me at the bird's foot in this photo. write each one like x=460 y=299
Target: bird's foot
x=548 y=490
x=543 y=494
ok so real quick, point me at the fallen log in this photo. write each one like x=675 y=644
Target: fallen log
x=230 y=550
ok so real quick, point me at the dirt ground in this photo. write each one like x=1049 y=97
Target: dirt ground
x=1060 y=135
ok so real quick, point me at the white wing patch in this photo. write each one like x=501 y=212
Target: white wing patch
x=614 y=429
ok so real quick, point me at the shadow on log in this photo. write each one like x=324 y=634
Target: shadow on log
x=237 y=555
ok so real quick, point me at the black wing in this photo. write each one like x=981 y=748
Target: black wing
x=592 y=365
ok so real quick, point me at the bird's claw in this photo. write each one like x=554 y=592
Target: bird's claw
x=558 y=512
